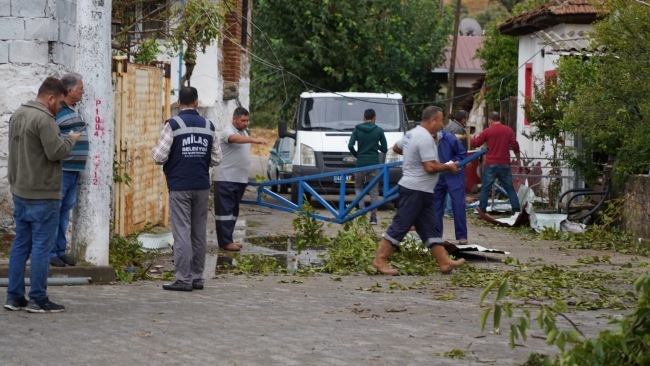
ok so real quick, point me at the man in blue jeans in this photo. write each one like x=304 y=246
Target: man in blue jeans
x=34 y=174
x=499 y=139
x=68 y=119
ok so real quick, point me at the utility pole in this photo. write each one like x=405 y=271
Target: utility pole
x=91 y=223
x=452 y=64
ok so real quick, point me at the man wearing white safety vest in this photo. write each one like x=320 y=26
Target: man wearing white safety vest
x=231 y=177
x=188 y=147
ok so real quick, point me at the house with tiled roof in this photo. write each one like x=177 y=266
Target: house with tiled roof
x=467 y=71
x=553 y=30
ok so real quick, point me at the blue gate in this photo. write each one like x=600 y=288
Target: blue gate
x=343 y=213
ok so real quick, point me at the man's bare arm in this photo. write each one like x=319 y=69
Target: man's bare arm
x=433 y=167
x=397 y=150
x=239 y=139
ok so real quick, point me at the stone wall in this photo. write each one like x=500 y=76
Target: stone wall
x=37 y=40
x=637 y=205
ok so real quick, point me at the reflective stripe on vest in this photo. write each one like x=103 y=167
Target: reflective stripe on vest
x=183 y=129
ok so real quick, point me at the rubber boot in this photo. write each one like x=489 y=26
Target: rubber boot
x=444 y=262
x=381 y=258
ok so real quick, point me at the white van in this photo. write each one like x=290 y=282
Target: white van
x=323 y=123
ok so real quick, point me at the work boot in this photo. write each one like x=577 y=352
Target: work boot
x=381 y=258
x=444 y=262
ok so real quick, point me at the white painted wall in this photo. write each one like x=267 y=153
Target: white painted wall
x=208 y=81
x=21 y=83
x=91 y=220
x=530 y=45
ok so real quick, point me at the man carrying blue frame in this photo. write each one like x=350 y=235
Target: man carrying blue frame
x=419 y=177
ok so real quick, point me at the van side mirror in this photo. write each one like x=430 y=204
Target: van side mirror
x=273 y=152
x=412 y=124
x=282 y=130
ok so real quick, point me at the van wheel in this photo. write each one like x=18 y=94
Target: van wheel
x=294 y=193
x=274 y=188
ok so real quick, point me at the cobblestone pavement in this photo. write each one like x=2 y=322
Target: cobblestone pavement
x=239 y=320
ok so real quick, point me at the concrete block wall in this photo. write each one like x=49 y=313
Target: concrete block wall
x=37 y=39
x=37 y=31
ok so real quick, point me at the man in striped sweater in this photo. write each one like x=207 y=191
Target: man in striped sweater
x=68 y=120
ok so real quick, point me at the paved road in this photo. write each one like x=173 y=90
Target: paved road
x=239 y=320
x=257 y=321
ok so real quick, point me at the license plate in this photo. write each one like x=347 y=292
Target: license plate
x=349 y=179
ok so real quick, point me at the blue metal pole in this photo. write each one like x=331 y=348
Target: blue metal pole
x=342 y=194
x=464 y=162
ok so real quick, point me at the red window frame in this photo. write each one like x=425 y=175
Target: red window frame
x=550 y=74
x=528 y=87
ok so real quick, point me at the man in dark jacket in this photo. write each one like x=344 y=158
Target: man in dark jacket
x=370 y=139
x=34 y=173
x=187 y=148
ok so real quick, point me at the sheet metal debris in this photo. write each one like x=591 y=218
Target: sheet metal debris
x=537 y=221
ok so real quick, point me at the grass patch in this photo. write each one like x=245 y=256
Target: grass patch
x=125 y=254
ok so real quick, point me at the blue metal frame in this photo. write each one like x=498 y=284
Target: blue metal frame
x=343 y=214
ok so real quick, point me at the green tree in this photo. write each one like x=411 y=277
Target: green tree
x=545 y=112
x=500 y=55
x=491 y=14
x=145 y=27
x=508 y=4
x=346 y=45
x=611 y=113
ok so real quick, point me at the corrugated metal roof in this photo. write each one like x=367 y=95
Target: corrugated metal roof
x=465 y=51
x=550 y=14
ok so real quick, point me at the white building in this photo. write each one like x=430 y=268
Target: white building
x=554 y=29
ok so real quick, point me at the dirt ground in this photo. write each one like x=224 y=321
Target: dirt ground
x=269 y=135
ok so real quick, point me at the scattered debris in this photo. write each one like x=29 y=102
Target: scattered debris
x=156 y=241
x=395 y=310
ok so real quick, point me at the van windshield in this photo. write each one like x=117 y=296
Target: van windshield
x=343 y=114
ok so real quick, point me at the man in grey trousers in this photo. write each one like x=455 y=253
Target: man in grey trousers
x=188 y=147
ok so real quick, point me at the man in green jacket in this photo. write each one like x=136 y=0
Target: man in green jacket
x=370 y=139
x=34 y=173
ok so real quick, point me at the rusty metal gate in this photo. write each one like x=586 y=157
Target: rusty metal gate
x=141 y=106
